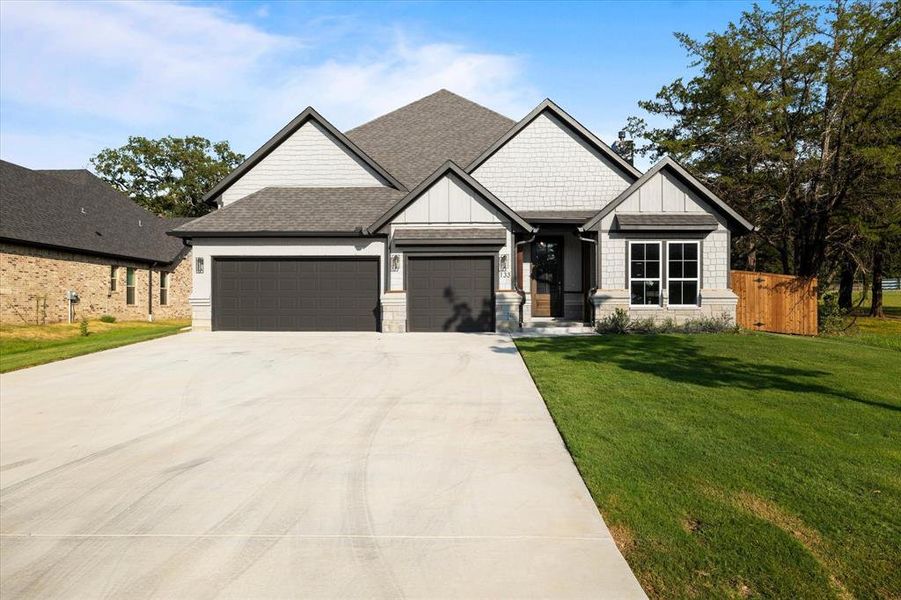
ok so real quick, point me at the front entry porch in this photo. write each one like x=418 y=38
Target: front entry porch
x=555 y=277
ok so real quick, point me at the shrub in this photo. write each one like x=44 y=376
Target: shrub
x=719 y=324
x=831 y=318
x=617 y=322
x=620 y=322
x=107 y=319
x=83 y=326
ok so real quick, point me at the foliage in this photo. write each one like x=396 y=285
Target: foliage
x=831 y=318
x=168 y=176
x=83 y=327
x=794 y=116
x=619 y=322
x=755 y=465
x=107 y=318
x=616 y=322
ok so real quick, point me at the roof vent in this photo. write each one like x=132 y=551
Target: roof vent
x=139 y=223
x=83 y=211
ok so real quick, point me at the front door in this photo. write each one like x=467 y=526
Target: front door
x=547 y=277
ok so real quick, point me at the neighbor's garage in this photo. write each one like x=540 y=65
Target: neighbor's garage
x=450 y=293
x=295 y=294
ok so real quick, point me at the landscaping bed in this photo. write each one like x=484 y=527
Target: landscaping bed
x=736 y=465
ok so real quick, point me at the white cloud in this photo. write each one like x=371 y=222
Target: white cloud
x=157 y=68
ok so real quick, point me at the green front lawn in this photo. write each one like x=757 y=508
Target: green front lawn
x=747 y=465
x=30 y=345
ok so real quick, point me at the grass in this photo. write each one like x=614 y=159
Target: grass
x=31 y=345
x=880 y=333
x=734 y=466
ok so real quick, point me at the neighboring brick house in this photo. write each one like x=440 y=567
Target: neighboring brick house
x=68 y=231
x=444 y=215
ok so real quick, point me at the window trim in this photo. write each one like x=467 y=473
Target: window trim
x=164 y=288
x=113 y=278
x=696 y=279
x=133 y=287
x=659 y=279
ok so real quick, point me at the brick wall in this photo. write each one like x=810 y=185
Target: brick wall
x=34 y=281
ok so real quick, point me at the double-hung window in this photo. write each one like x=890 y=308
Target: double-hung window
x=129 y=285
x=682 y=273
x=113 y=278
x=164 y=288
x=644 y=273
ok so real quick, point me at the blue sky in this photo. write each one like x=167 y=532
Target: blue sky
x=75 y=78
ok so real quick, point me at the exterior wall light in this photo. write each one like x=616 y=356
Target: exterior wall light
x=504 y=265
x=198 y=265
x=395 y=263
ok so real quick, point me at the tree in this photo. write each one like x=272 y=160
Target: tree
x=784 y=118
x=168 y=176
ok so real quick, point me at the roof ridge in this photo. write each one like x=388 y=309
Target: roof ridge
x=423 y=99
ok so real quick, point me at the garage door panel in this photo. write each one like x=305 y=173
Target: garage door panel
x=451 y=293
x=295 y=294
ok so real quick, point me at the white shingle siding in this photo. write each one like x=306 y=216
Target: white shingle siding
x=715 y=260
x=310 y=157
x=545 y=167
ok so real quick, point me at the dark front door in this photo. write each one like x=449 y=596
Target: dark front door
x=295 y=294
x=547 y=277
x=450 y=293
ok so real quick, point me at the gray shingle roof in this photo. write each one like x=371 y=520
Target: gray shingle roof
x=75 y=210
x=666 y=221
x=275 y=210
x=412 y=141
x=451 y=234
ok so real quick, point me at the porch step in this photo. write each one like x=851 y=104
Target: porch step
x=555 y=327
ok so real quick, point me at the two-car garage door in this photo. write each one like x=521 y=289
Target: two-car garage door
x=295 y=294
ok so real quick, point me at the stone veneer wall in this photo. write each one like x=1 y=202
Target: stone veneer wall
x=34 y=281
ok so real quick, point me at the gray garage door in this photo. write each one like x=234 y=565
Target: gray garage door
x=295 y=294
x=450 y=293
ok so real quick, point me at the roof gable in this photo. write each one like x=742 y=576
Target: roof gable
x=418 y=138
x=548 y=106
x=448 y=168
x=308 y=115
x=670 y=165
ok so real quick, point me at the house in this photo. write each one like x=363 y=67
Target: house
x=446 y=216
x=68 y=231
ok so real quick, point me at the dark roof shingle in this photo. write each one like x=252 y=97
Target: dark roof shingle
x=666 y=221
x=452 y=234
x=414 y=140
x=303 y=210
x=75 y=210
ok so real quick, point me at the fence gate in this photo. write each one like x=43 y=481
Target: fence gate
x=776 y=303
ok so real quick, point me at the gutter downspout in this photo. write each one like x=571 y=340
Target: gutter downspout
x=597 y=275
x=516 y=282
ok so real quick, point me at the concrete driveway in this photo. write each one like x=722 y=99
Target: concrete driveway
x=294 y=465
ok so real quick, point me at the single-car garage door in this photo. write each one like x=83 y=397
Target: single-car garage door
x=450 y=293
x=295 y=294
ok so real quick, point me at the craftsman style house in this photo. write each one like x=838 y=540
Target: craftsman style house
x=446 y=216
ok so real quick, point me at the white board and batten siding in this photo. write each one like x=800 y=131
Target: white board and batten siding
x=664 y=193
x=310 y=157
x=449 y=203
x=547 y=167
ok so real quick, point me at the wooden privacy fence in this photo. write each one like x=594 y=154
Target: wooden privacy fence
x=776 y=303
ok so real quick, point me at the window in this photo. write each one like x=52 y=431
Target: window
x=682 y=273
x=113 y=278
x=644 y=273
x=130 y=285
x=164 y=288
